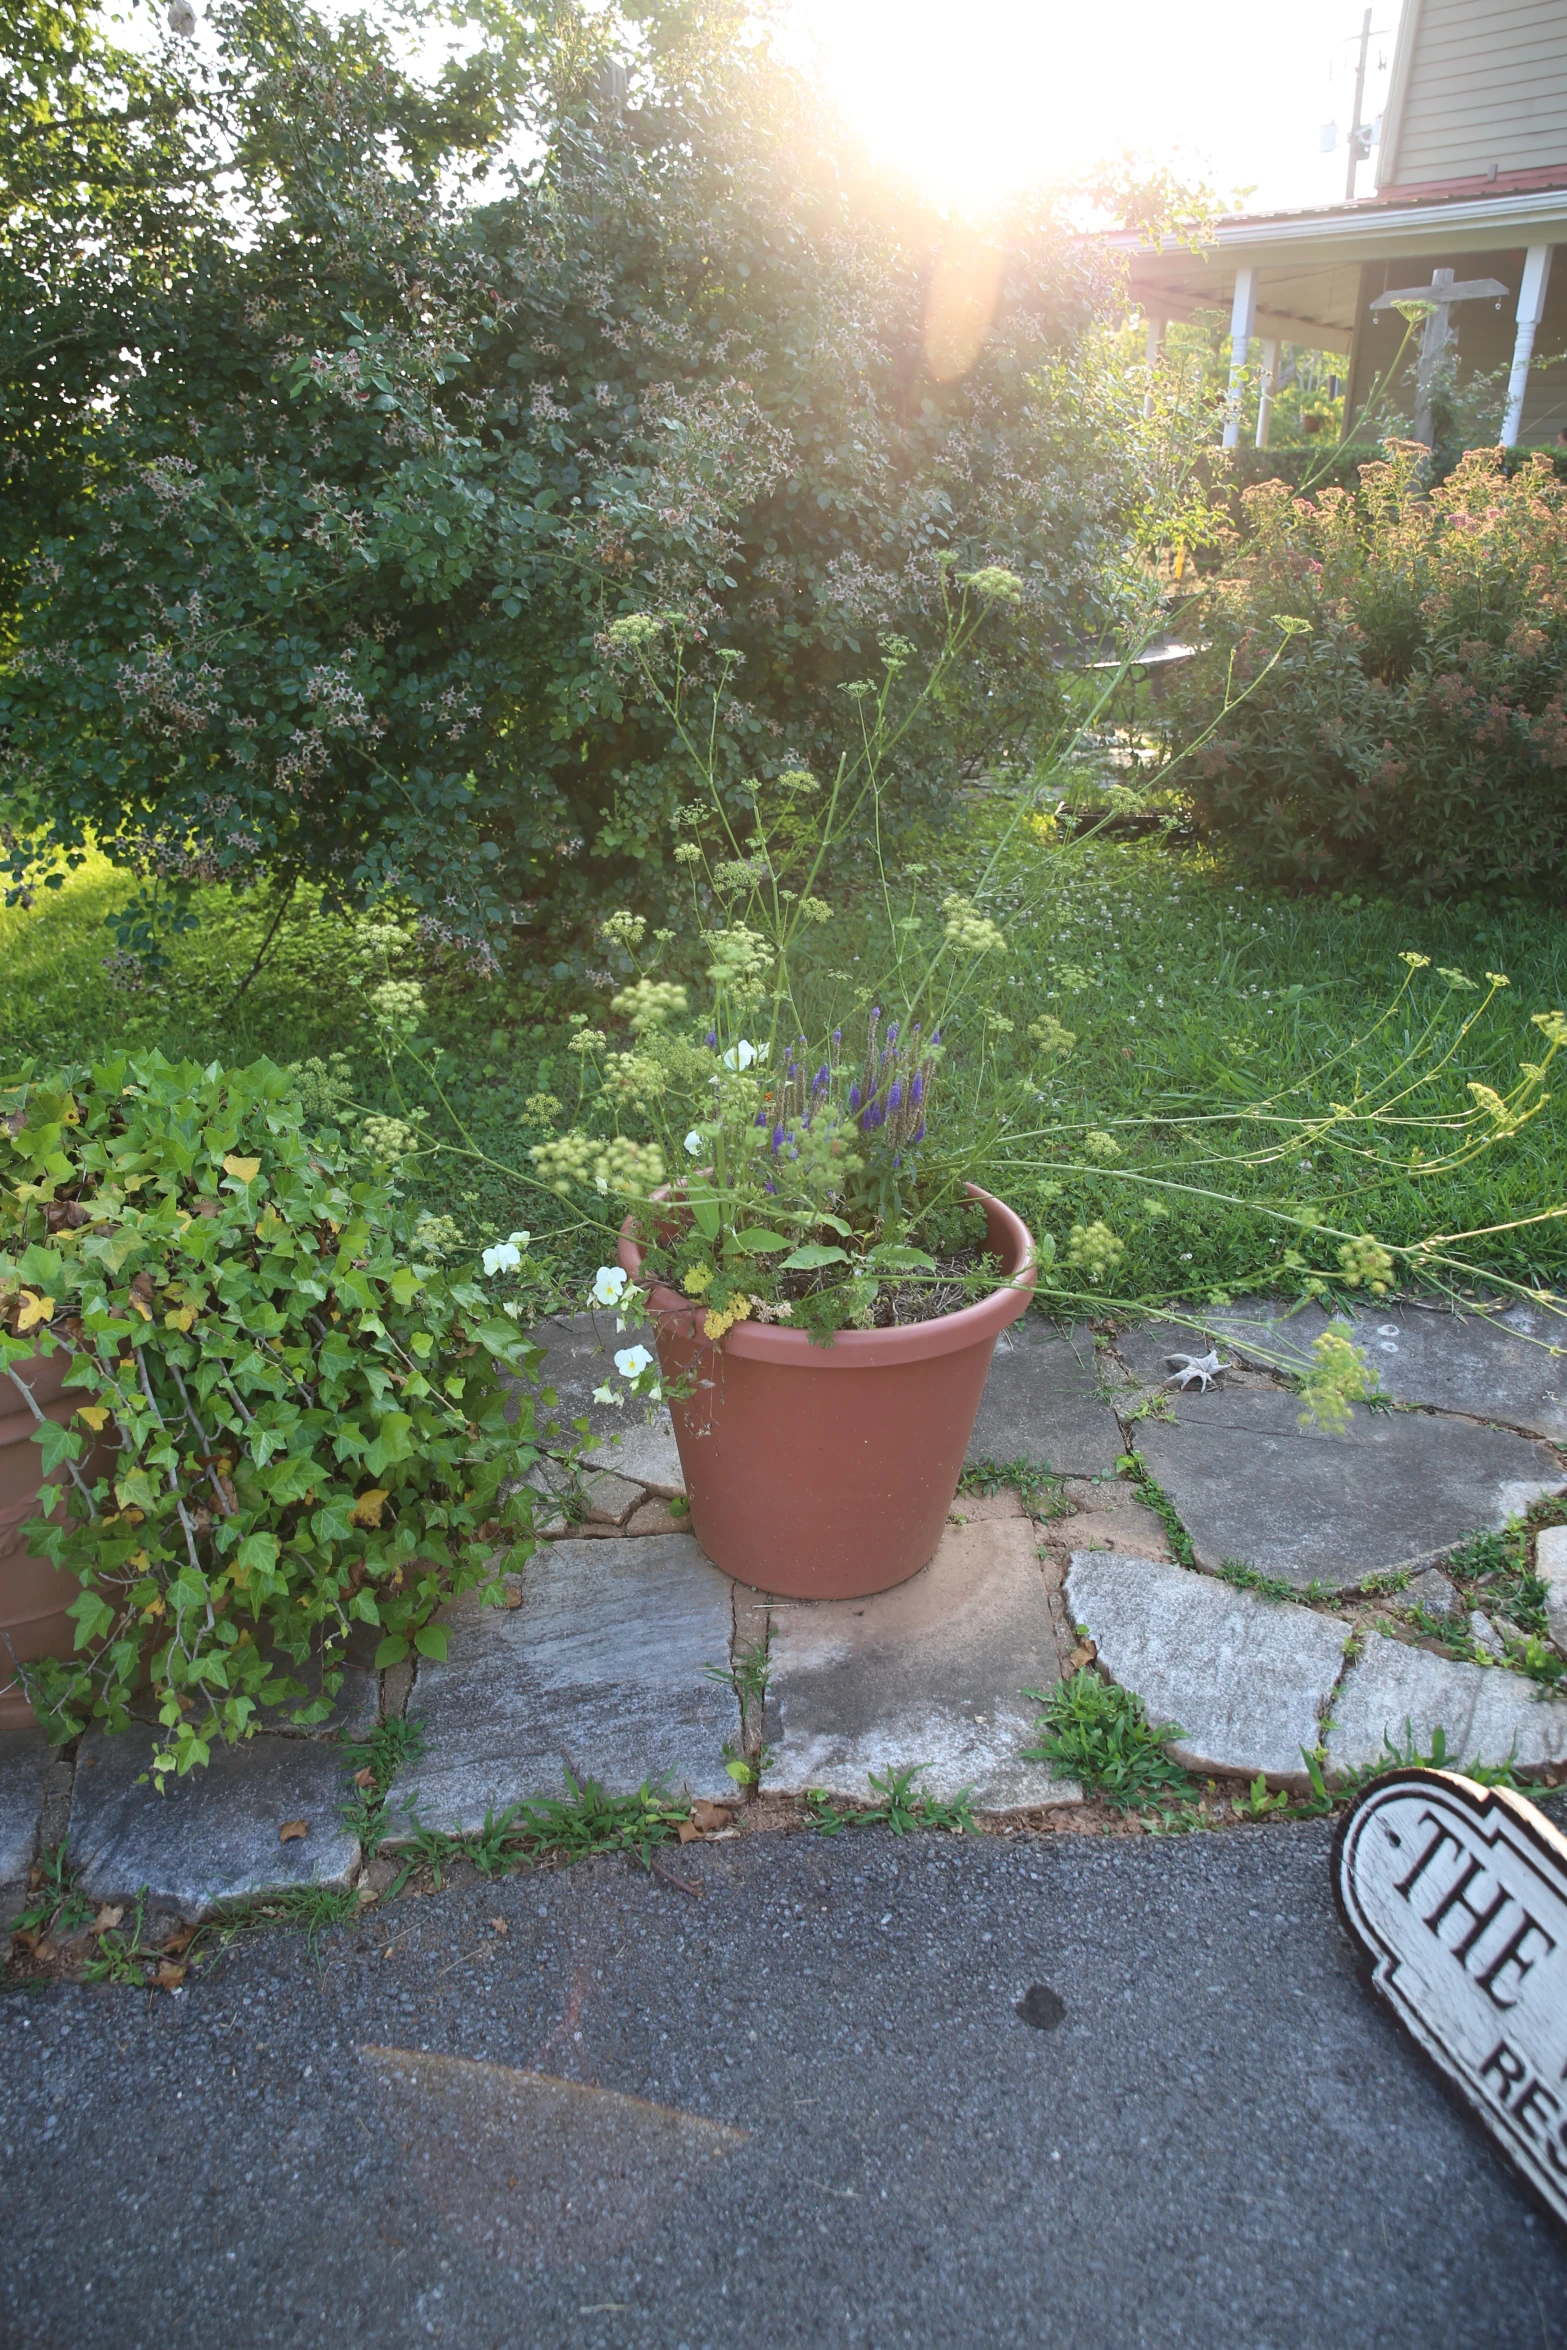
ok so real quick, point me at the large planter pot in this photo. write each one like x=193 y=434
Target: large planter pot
x=827 y=1472
x=34 y=1595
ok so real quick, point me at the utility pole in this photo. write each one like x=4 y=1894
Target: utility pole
x=1358 y=154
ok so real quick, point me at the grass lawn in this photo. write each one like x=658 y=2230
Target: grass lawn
x=1190 y=996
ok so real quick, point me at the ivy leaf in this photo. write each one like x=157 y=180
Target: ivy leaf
x=367 y=1509
x=242 y=1170
x=390 y=1651
x=432 y=1642
x=808 y=1258
x=31 y=1311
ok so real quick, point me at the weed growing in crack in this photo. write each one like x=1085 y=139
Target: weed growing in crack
x=585 y=1821
x=1257 y=1803
x=56 y=1907
x=1132 y=1464
x=375 y=1762
x=1038 y=1489
x=1101 y=1735
x=900 y=1806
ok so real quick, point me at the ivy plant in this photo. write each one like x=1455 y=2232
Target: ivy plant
x=293 y=1415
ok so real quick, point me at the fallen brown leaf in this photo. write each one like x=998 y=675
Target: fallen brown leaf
x=687 y=1833
x=179 y=1941
x=108 y=1918
x=169 y=1976
x=499 y=1926
x=709 y=1816
x=513 y=1595
x=1083 y=1654
x=364 y=1778
x=44 y=1950
x=292 y=1831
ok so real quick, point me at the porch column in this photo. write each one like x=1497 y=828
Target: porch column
x=1531 y=309
x=1153 y=352
x=1243 y=314
x=1270 y=377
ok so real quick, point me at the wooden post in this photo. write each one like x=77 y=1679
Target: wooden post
x=1243 y=314
x=1531 y=309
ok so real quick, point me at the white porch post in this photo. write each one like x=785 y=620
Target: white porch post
x=1270 y=376
x=1153 y=352
x=1243 y=314
x=1531 y=309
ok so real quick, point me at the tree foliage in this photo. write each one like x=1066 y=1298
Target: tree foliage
x=321 y=583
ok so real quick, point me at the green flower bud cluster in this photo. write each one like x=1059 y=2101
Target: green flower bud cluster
x=1365 y=1260
x=649 y=1004
x=1094 y=1251
x=968 y=929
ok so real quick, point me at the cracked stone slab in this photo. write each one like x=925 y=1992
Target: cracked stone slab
x=1550 y=1564
x=931 y=1672
x=1397 y=1693
x=1042 y=1403
x=646 y=1455
x=24 y=1761
x=1494 y=1366
x=213 y=1836
x=1245 y=1677
x=1395 y=1490
x=603 y=1668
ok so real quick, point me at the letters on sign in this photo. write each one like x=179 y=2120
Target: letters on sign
x=1458 y=1896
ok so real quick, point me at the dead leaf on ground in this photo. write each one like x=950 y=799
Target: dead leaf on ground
x=179 y=1941
x=514 y=1595
x=169 y=1976
x=687 y=1833
x=709 y=1816
x=364 y=1778
x=44 y=1950
x=108 y=1918
x=1083 y=1654
x=499 y=1926
x=293 y=1831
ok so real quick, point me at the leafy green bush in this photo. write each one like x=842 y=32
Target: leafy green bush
x=1414 y=732
x=307 y=1412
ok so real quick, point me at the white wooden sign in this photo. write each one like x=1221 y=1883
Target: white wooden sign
x=1458 y=1896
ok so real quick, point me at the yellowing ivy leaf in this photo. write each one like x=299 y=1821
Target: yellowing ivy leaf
x=32 y=1311
x=95 y=1414
x=180 y=1321
x=242 y=1170
x=367 y=1509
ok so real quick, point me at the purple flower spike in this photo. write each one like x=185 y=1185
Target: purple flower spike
x=777 y=1140
x=918 y=1135
x=772 y=1187
x=837 y=1036
x=935 y=1036
x=761 y=1117
x=854 y=1101
x=916 y=1090
x=892 y=1035
x=823 y=1079
x=712 y=1036
x=894 y=1100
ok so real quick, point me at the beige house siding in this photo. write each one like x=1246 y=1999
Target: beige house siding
x=1477 y=85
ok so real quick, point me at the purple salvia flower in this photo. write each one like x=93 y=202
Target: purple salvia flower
x=892 y=1035
x=894 y=1100
x=854 y=1101
x=823 y=1079
x=712 y=1036
x=935 y=1036
x=777 y=1140
x=917 y=1089
x=837 y=1037
x=918 y=1135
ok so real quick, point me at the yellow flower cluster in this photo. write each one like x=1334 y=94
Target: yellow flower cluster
x=1051 y=1035
x=1094 y=1251
x=1366 y=1260
x=398 y=1004
x=631 y=1170
x=388 y=1140
x=722 y=1318
x=634 y=1078
x=1337 y=1378
x=648 y=1004
x=1101 y=1146
x=968 y=929
x=624 y=928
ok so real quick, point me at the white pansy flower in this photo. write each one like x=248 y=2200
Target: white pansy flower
x=741 y=1055
x=607 y=1394
x=694 y=1141
x=609 y=1284
x=504 y=1257
x=632 y=1361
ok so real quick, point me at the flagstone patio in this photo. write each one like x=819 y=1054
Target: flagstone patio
x=621 y=1653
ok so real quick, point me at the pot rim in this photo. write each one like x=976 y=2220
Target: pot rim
x=859 y=1350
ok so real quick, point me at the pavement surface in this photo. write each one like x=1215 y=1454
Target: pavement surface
x=797 y=2108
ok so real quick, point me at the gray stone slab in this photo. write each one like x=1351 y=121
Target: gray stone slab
x=1244 y=1677
x=1509 y=1366
x=1550 y=1564
x=579 y=1355
x=610 y=1499
x=602 y=1669
x=1395 y=1490
x=24 y=1760
x=1042 y=1403
x=1397 y=1693
x=647 y=1455
x=213 y=1836
x=932 y=1672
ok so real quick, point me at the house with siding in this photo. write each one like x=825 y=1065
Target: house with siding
x=1470 y=203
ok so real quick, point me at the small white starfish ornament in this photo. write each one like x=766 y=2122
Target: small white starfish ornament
x=1203 y=1368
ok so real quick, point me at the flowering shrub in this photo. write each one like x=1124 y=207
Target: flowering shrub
x=1414 y=729
x=306 y=1410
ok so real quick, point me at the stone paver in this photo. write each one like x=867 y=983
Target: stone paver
x=610 y=1499
x=1487 y=1367
x=602 y=1669
x=1433 y=1591
x=1042 y=1403
x=1245 y=1677
x=647 y=1455
x=932 y=1672
x=1398 y=1693
x=1550 y=1564
x=24 y=1759
x=1397 y=1489
x=213 y=1836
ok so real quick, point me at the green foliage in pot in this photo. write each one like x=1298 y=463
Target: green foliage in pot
x=1413 y=732
x=307 y=1409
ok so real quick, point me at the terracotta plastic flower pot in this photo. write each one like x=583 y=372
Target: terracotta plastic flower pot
x=827 y=1472
x=34 y=1595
